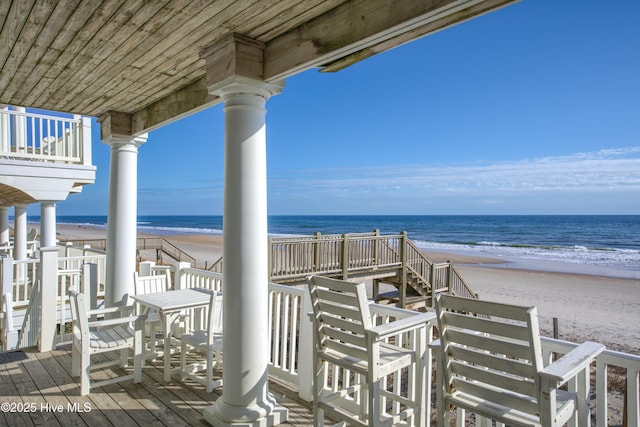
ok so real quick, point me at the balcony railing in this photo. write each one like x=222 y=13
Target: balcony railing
x=291 y=337
x=46 y=138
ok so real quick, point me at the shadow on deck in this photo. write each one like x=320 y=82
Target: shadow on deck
x=37 y=389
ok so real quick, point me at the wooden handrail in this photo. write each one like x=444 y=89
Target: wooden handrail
x=293 y=259
x=160 y=245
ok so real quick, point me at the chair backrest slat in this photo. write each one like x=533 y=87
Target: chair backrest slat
x=493 y=350
x=214 y=315
x=503 y=329
x=79 y=311
x=342 y=313
x=151 y=284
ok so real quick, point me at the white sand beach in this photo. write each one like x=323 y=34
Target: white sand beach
x=587 y=307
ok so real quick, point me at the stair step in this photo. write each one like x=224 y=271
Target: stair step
x=414 y=302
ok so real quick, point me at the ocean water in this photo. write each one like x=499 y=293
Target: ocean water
x=606 y=245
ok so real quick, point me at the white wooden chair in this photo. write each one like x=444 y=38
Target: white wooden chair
x=147 y=285
x=347 y=338
x=32 y=242
x=207 y=342
x=100 y=336
x=490 y=363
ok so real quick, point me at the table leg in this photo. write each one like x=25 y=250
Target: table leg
x=167 y=347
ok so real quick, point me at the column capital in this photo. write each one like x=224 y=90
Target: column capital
x=119 y=141
x=237 y=84
x=235 y=65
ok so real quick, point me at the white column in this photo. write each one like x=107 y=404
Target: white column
x=47 y=224
x=122 y=218
x=4 y=225
x=245 y=399
x=20 y=232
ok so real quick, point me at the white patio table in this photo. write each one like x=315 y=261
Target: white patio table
x=169 y=305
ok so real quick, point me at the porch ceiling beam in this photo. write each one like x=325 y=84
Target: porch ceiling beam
x=358 y=29
x=345 y=35
x=181 y=103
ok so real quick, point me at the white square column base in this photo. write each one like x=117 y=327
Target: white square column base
x=279 y=415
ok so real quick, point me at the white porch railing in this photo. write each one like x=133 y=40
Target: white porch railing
x=291 y=332
x=21 y=286
x=291 y=338
x=31 y=136
x=606 y=360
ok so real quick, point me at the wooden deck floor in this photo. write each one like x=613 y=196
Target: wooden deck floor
x=37 y=389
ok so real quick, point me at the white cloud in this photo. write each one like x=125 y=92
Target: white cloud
x=610 y=170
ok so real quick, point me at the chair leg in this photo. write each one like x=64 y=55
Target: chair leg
x=209 y=370
x=152 y=340
x=85 y=372
x=318 y=385
x=138 y=354
x=75 y=360
x=373 y=389
x=183 y=359
x=124 y=357
x=441 y=410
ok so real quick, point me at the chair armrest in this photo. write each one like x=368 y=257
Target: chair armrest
x=435 y=345
x=117 y=321
x=400 y=326
x=99 y=311
x=573 y=362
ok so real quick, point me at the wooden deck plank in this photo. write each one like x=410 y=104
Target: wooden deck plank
x=101 y=400
x=55 y=401
x=29 y=392
x=10 y=396
x=69 y=387
x=162 y=403
x=187 y=399
x=46 y=378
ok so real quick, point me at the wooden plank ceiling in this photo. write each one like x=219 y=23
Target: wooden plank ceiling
x=143 y=58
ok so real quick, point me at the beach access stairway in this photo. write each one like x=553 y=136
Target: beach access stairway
x=392 y=260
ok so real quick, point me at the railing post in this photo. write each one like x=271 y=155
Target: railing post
x=305 y=350
x=316 y=251
x=180 y=280
x=90 y=283
x=449 y=275
x=85 y=141
x=7 y=276
x=5 y=135
x=345 y=256
x=48 y=297
x=601 y=393
x=145 y=268
x=376 y=247
x=434 y=278
x=403 y=262
x=269 y=258
x=10 y=334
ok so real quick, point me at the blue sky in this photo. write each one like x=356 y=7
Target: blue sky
x=532 y=109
